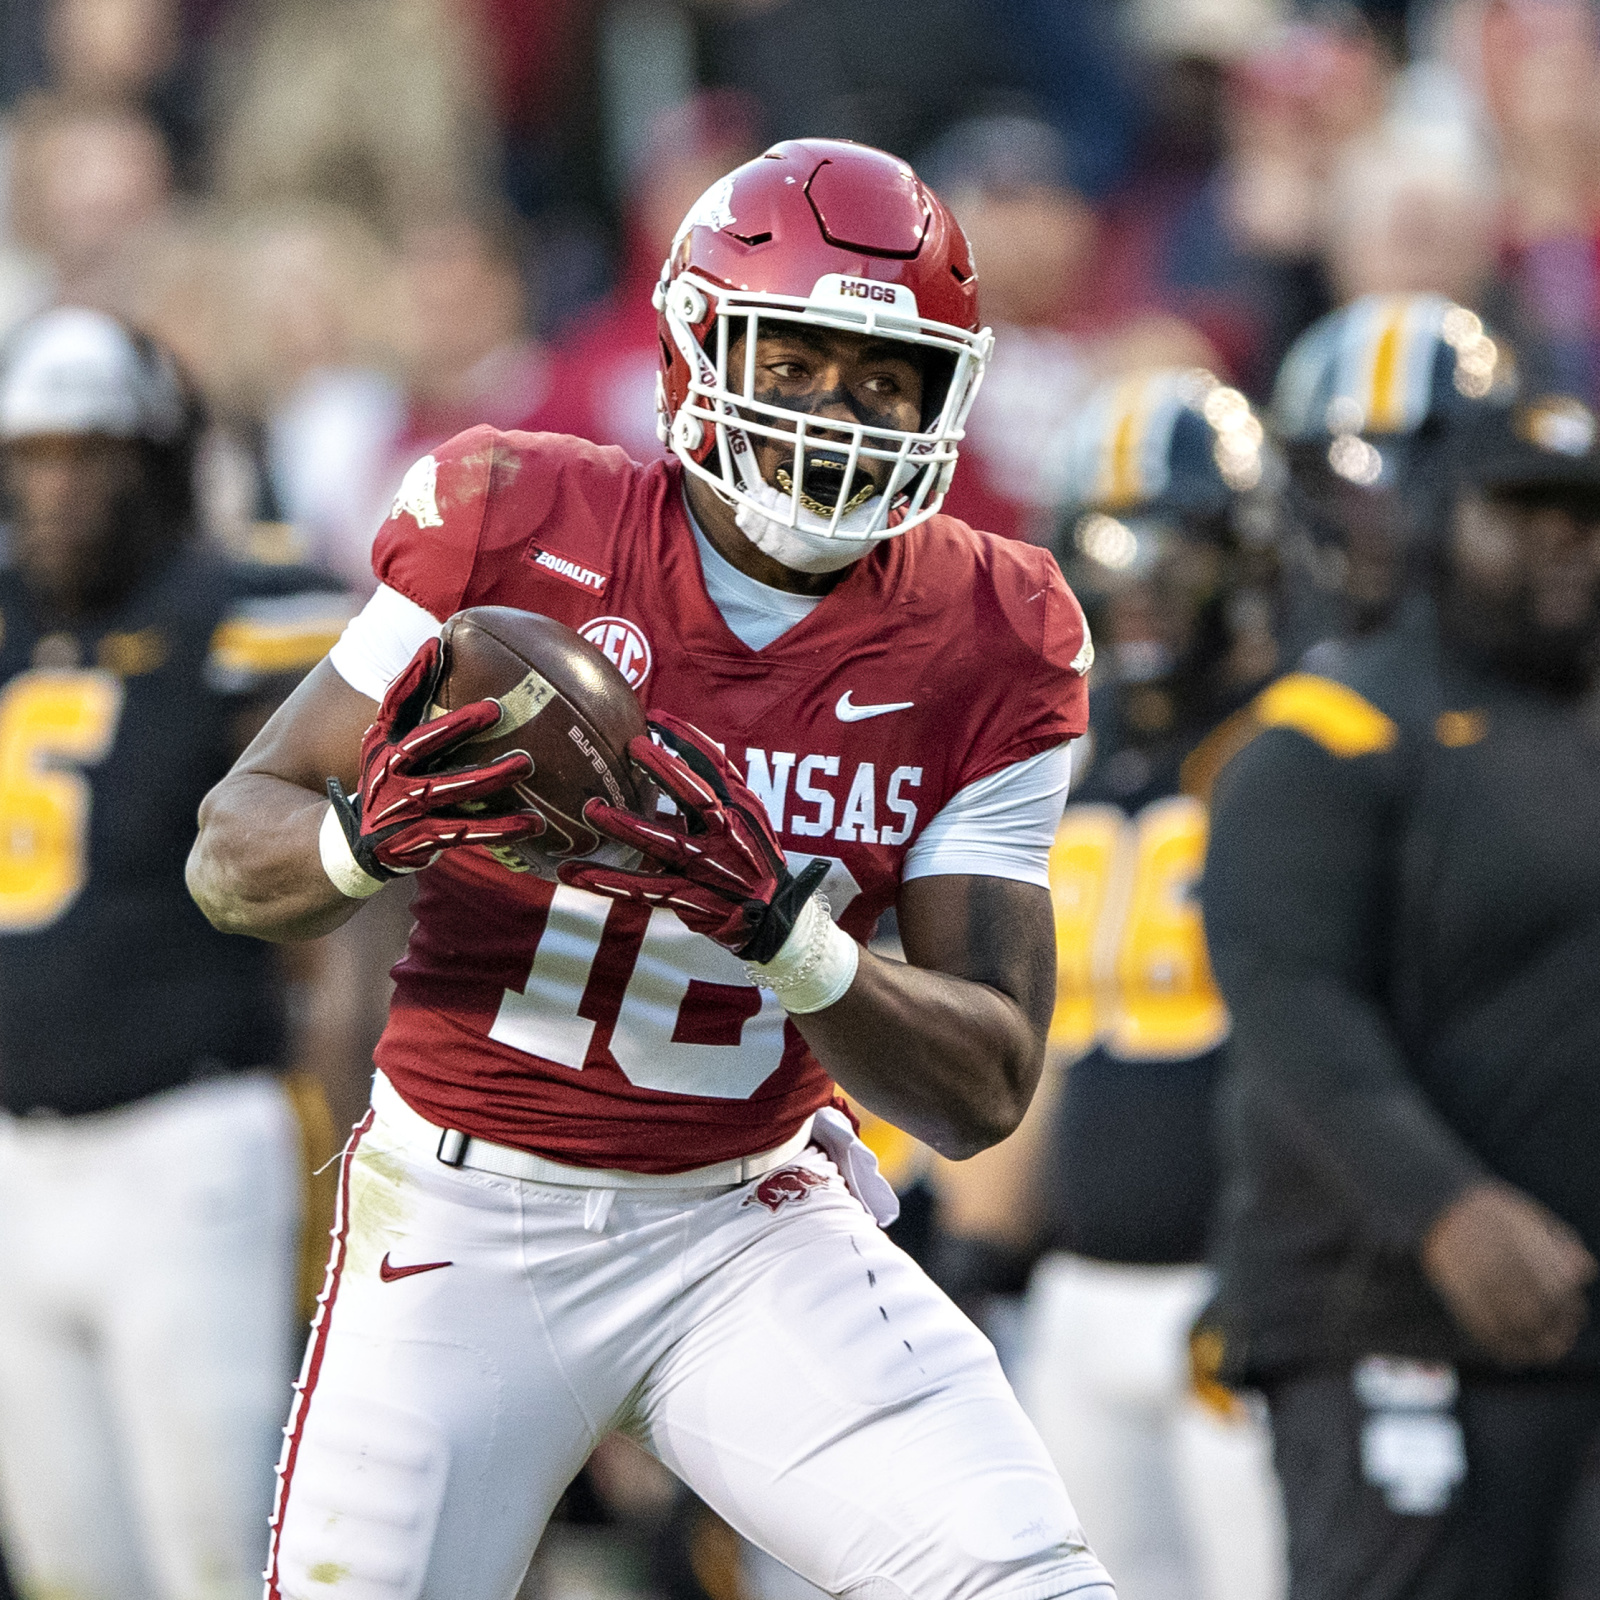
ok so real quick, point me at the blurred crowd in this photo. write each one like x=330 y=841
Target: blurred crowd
x=364 y=225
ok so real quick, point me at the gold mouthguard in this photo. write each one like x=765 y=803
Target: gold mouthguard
x=816 y=507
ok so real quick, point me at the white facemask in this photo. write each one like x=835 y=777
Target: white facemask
x=806 y=548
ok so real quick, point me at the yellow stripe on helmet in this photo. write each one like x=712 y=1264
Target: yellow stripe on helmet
x=1124 y=477
x=1386 y=393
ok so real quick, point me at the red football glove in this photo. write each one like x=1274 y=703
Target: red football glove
x=399 y=818
x=721 y=867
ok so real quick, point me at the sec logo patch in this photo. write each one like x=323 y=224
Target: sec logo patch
x=623 y=645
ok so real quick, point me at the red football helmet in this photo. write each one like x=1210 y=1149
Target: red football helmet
x=840 y=236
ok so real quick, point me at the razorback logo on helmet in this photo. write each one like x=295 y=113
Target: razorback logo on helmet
x=621 y=642
x=786 y=1185
x=714 y=209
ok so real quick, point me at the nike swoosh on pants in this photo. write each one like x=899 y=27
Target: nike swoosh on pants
x=389 y=1274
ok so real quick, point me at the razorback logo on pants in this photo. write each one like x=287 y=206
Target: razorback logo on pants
x=777 y=1189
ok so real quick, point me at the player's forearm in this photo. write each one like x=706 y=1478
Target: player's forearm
x=951 y=1061
x=255 y=867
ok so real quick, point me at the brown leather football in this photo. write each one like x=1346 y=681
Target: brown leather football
x=563 y=703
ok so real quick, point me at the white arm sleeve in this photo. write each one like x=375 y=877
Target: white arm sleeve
x=379 y=640
x=1001 y=826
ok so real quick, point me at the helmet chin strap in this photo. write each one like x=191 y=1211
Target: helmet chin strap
x=807 y=547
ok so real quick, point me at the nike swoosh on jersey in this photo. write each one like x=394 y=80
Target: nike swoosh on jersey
x=846 y=712
x=389 y=1274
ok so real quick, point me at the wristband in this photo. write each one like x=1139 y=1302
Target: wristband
x=343 y=871
x=815 y=965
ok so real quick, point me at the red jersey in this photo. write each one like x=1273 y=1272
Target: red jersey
x=605 y=1034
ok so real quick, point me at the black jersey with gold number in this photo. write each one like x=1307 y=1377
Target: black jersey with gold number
x=1138 y=1015
x=112 y=984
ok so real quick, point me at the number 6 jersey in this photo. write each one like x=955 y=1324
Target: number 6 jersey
x=113 y=725
x=605 y=1034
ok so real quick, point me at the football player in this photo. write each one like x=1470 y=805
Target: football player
x=1360 y=406
x=150 y=1155
x=601 y=1184
x=1171 y=503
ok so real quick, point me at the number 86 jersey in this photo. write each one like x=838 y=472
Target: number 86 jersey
x=605 y=1034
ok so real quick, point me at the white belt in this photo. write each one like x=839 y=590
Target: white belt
x=416 y=1136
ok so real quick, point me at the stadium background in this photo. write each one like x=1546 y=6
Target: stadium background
x=366 y=224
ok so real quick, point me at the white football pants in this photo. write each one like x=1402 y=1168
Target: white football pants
x=1180 y=1501
x=148 y=1261
x=479 y=1334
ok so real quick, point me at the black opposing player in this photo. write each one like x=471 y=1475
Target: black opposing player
x=150 y=1156
x=1401 y=900
x=1168 y=538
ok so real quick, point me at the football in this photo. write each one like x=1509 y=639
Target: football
x=563 y=703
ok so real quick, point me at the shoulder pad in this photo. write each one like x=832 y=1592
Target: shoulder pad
x=1005 y=635
x=1027 y=584
x=272 y=636
x=1329 y=713
x=465 y=509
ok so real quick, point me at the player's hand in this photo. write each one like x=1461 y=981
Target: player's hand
x=405 y=811
x=718 y=863
x=1511 y=1272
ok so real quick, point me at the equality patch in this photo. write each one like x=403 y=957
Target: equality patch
x=568 y=570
